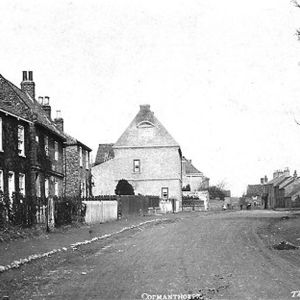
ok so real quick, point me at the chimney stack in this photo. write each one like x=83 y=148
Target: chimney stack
x=295 y=174
x=59 y=121
x=262 y=181
x=27 y=84
x=145 y=107
x=46 y=106
x=286 y=172
x=266 y=179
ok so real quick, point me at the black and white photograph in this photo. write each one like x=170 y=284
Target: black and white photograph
x=149 y=149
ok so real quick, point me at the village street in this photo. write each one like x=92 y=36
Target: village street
x=223 y=254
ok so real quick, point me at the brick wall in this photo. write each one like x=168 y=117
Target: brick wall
x=75 y=174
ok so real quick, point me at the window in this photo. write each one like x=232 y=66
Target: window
x=136 y=166
x=37 y=138
x=38 y=185
x=165 y=193
x=83 y=189
x=22 y=184
x=87 y=160
x=56 y=150
x=46 y=187
x=46 y=141
x=80 y=156
x=11 y=184
x=21 y=146
x=55 y=187
x=1 y=181
x=1 y=144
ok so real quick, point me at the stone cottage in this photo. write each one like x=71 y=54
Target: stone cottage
x=146 y=155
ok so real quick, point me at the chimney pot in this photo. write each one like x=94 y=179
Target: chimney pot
x=24 y=75
x=59 y=121
x=46 y=100
x=30 y=76
x=27 y=84
x=41 y=100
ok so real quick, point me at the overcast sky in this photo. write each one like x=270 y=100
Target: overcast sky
x=222 y=76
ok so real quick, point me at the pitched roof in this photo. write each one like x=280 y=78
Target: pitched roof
x=286 y=182
x=34 y=109
x=190 y=168
x=73 y=141
x=145 y=131
x=255 y=189
x=105 y=152
x=295 y=190
x=278 y=180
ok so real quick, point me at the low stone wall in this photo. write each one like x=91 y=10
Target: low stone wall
x=101 y=211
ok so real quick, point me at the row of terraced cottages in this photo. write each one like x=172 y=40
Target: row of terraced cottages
x=37 y=158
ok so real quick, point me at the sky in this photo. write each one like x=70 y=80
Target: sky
x=222 y=76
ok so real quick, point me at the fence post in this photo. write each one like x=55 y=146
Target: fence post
x=50 y=214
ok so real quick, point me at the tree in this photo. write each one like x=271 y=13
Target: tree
x=124 y=188
x=216 y=192
x=186 y=188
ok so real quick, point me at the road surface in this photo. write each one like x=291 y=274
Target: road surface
x=214 y=255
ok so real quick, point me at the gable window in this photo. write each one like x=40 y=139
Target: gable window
x=1 y=143
x=21 y=146
x=22 y=184
x=56 y=150
x=80 y=156
x=165 y=193
x=46 y=141
x=136 y=166
x=1 y=181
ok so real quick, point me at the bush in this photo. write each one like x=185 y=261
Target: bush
x=124 y=188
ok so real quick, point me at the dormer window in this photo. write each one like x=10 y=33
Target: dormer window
x=21 y=146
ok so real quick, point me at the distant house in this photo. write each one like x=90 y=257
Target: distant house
x=254 y=194
x=146 y=155
x=192 y=179
x=272 y=192
x=77 y=168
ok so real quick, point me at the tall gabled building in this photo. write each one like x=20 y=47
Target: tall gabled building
x=146 y=155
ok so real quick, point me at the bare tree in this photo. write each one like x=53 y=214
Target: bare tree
x=296 y=3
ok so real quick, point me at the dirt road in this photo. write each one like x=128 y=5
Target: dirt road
x=222 y=255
